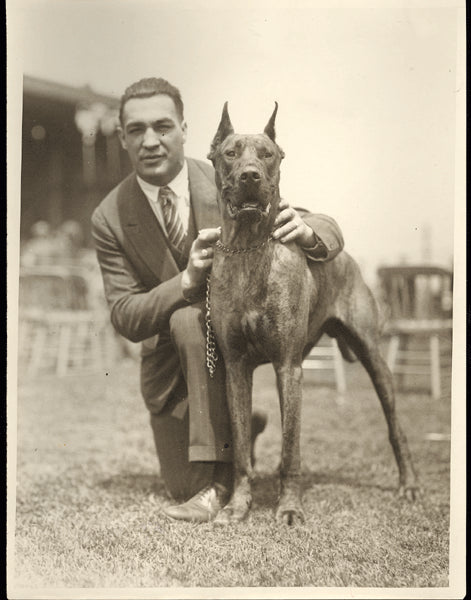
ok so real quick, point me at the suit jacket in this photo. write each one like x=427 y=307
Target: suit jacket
x=142 y=280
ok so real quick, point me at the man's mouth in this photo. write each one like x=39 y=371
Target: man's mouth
x=152 y=158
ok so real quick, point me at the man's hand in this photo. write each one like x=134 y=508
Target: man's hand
x=199 y=262
x=290 y=227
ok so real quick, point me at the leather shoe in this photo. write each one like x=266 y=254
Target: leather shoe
x=202 y=507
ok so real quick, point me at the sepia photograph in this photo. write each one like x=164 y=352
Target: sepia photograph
x=236 y=299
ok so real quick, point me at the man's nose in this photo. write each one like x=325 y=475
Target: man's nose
x=151 y=138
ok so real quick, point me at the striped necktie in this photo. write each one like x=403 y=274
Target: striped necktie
x=173 y=223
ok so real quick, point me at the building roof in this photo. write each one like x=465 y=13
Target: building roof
x=42 y=88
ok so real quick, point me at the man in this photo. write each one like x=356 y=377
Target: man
x=154 y=236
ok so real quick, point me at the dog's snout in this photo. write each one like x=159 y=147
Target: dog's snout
x=250 y=175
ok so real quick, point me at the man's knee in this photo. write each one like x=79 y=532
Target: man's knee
x=187 y=324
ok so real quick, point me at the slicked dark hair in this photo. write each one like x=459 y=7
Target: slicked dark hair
x=151 y=86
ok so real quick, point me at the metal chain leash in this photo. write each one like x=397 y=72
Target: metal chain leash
x=211 y=352
x=227 y=250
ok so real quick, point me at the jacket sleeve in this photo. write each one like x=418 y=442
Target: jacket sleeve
x=137 y=313
x=328 y=235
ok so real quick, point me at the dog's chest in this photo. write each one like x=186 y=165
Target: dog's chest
x=257 y=301
x=251 y=328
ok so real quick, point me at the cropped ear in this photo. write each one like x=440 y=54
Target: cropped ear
x=225 y=128
x=270 y=127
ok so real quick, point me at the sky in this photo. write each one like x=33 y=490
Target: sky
x=367 y=96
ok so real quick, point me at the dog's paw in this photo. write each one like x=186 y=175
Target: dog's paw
x=223 y=517
x=229 y=514
x=290 y=515
x=411 y=493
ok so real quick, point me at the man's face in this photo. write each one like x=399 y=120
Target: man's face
x=153 y=135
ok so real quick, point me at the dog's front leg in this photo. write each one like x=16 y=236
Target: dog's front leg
x=289 y=378
x=239 y=396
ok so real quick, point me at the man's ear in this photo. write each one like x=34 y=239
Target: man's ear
x=184 y=126
x=121 y=137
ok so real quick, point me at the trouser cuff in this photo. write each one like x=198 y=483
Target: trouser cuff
x=209 y=454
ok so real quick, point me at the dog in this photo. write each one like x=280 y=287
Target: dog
x=269 y=304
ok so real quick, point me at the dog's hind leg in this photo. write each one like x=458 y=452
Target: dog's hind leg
x=289 y=378
x=364 y=340
x=239 y=377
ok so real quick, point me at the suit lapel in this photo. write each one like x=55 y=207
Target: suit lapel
x=144 y=231
x=143 y=228
x=203 y=199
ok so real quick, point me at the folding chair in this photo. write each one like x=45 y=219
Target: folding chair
x=419 y=299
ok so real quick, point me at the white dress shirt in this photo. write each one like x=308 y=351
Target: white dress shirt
x=180 y=186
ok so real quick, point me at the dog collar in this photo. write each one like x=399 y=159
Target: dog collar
x=228 y=250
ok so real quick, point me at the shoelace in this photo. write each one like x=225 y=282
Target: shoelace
x=207 y=497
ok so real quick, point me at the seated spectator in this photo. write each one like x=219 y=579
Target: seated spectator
x=41 y=248
x=70 y=239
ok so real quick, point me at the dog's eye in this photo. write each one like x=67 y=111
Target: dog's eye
x=268 y=155
x=230 y=153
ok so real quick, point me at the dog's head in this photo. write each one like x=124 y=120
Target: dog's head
x=247 y=169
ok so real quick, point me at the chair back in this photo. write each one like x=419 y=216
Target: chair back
x=53 y=288
x=418 y=293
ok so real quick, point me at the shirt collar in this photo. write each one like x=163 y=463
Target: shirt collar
x=179 y=185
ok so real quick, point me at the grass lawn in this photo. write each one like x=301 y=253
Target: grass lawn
x=89 y=494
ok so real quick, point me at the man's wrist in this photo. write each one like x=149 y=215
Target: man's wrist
x=316 y=250
x=190 y=292
x=309 y=240
x=187 y=290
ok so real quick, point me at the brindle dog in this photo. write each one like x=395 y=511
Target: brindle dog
x=269 y=304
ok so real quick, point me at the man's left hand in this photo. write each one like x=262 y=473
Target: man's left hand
x=290 y=227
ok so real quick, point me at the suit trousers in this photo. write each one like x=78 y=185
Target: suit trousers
x=192 y=432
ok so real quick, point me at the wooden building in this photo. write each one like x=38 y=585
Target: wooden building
x=71 y=155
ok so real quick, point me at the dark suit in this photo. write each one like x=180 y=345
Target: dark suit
x=143 y=287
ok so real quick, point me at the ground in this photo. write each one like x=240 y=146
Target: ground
x=89 y=493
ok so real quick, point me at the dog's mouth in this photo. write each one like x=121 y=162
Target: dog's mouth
x=248 y=208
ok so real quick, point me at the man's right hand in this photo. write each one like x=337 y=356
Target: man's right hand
x=199 y=262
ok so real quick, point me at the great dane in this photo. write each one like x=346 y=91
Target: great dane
x=269 y=304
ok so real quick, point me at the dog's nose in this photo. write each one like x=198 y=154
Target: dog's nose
x=250 y=175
